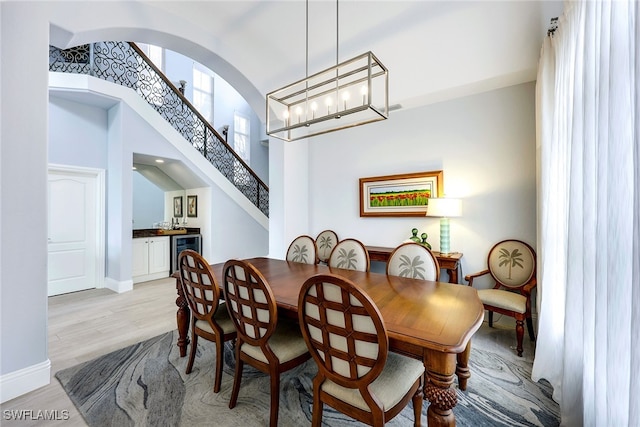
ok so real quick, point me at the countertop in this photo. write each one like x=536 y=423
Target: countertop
x=149 y=232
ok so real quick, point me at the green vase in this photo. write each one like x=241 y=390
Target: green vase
x=424 y=240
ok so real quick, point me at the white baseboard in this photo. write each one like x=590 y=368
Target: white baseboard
x=23 y=381
x=149 y=277
x=119 y=287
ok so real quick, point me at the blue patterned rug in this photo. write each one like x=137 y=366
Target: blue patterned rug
x=145 y=385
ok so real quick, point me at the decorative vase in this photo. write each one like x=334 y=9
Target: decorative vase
x=424 y=240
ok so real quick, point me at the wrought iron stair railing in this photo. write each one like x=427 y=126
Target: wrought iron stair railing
x=125 y=64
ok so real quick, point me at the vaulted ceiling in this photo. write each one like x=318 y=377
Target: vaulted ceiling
x=434 y=50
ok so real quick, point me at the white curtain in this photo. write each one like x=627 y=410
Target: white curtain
x=588 y=103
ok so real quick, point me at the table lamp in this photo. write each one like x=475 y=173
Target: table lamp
x=444 y=208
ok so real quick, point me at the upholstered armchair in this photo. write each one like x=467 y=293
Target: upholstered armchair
x=512 y=266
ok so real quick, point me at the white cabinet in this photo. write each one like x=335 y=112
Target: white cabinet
x=151 y=258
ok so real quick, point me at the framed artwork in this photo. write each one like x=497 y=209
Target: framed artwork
x=177 y=207
x=192 y=206
x=399 y=195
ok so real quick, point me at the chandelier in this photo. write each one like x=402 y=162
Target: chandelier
x=351 y=93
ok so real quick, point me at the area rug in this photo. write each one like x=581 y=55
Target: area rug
x=145 y=385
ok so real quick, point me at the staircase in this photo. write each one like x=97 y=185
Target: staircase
x=125 y=64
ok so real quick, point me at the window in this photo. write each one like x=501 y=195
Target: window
x=241 y=136
x=203 y=92
x=151 y=88
x=154 y=53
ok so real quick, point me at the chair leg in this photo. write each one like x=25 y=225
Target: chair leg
x=532 y=334
x=219 y=360
x=316 y=415
x=491 y=319
x=417 y=406
x=519 y=335
x=275 y=399
x=237 y=377
x=192 y=353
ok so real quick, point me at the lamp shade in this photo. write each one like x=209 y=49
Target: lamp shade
x=444 y=207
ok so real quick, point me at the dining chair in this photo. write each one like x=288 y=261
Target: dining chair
x=415 y=261
x=303 y=249
x=209 y=318
x=357 y=375
x=350 y=254
x=326 y=241
x=267 y=343
x=512 y=265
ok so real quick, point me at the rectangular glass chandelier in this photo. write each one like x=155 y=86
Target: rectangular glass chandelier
x=349 y=94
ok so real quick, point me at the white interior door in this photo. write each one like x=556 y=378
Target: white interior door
x=73 y=218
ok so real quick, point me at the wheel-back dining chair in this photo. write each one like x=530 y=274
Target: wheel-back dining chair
x=350 y=254
x=512 y=265
x=415 y=261
x=265 y=342
x=357 y=375
x=326 y=241
x=209 y=318
x=303 y=249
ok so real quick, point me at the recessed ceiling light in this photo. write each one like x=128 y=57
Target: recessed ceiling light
x=159 y=161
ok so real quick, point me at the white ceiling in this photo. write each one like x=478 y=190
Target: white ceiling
x=434 y=50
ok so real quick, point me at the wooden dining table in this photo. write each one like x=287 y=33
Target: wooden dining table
x=430 y=321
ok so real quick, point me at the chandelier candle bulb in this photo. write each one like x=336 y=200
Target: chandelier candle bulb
x=345 y=98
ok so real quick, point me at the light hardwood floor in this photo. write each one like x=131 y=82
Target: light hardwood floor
x=85 y=325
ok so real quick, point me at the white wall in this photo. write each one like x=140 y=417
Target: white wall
x=485 y=144
x=23 y=196
x=148 y=203
x=77 y=134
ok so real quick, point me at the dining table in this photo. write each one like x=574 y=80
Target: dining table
x=430 y=321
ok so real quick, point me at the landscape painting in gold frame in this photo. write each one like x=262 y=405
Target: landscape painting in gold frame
x=399 y=195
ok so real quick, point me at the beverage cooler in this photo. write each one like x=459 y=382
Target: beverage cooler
x=180 y=242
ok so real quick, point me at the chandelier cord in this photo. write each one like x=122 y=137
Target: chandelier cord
x=337 y=38
x=307 y=41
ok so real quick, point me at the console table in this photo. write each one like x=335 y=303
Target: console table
x=449 y=262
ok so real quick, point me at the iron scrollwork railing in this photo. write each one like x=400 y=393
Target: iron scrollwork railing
x=125 y=64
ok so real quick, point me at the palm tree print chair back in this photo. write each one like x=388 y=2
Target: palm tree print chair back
x=326 y=241
x=350 y=254
x=303 y=249
x=415 y=261
x=512 y=263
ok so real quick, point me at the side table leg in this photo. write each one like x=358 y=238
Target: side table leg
x=182 y=319
x=453 y=274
